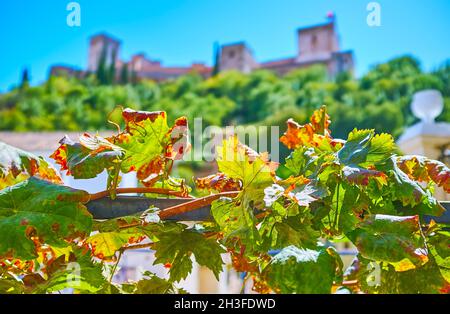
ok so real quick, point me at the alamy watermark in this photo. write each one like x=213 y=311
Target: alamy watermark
x=374 y=16
x=374 y=277
x=205 y=140
x=74 y=17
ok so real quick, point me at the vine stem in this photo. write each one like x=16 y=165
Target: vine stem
x=194 y=204
x=348 y=283
x=137 y=246
x=336 y=214
x=96 y=196
x=113 y=271
x=244 y=282
x=187 y=207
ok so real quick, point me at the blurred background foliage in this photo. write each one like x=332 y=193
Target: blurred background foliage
x=380 y=99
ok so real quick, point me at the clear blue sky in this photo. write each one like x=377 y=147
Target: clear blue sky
x=35 y=34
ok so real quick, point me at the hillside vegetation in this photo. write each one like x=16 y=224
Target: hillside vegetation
x=380 y=99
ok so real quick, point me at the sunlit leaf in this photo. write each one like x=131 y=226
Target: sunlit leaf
x=422 y=169
x=218 y=182
x=16 y=165
x=253 y=170
x=364 y=148
x=88 y=158
x=149 y=143
x=361 y=176
x=234 y=219
x=152 y=284
x=410 y=193
x=104 y=245
x=176 y=249
x=393 y=239
x=373 y=277
x=313 y=134
x=37 y=208
x=300 y=270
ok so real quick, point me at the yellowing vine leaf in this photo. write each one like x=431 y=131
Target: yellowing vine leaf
x=253 y=170
x=218 y=182
x=422 y=169
x=88 y=158
x=320 y=121
x=313 y=134
x=410 y=193
x=149 y=143
x=146 y=146
x=16 y=165
x=104 y=245
x=361 y=176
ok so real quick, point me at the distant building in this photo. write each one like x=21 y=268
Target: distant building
x=102 y=46
x=237 y=56
x=153 y=69
x=316 y=45
x=66 y=70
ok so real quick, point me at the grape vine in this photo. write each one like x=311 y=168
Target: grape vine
x=276 y=221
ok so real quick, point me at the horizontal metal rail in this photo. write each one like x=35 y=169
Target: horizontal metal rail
x=106 y=208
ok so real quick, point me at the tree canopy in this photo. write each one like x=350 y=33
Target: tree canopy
x=380 y=99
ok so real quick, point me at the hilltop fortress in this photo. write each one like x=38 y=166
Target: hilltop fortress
x=318 y=44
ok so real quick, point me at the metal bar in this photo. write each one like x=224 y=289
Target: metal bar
x=106 y=208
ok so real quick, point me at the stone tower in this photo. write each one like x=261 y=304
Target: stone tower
x=237 y=56
x=102 y=44
x=317 y=42
x=320 y=44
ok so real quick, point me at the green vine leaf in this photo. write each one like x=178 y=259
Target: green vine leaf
x=174 y=249
x=302 y=161
x=439 y=242
x=145 y=145
x=301 y=270
x=235 y=220
x=371 y=278
x=78 y=272
x=37 y=208
x=393 y=239
x=152 y=284
x=364 y=148
x=278 y=233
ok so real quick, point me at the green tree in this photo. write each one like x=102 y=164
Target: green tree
x=124 y=74
x=216 y=67
x=25 y=80
x=102 y=68
x=112 y=68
